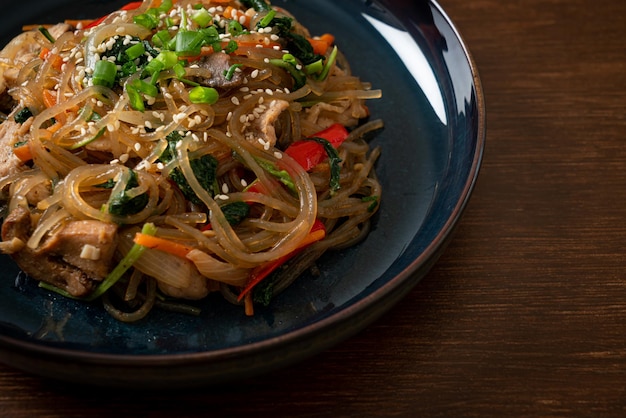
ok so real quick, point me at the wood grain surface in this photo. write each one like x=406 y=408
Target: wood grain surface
x=525 y=313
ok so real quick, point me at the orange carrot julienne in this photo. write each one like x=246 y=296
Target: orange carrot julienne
x=49 y=98
x=248 y=304
x=231 y=13
x=321 y=44
x=55 y=60
x=162 y=244
x=23 y=152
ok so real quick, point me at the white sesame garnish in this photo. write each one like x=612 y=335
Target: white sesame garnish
x=235 y=100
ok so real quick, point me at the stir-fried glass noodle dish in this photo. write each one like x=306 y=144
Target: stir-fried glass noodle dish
x=173 y=149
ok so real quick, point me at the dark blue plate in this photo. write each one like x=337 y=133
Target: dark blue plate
x=431 y=152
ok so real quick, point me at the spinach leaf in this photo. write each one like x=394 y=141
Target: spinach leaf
x=204 y=168
x=23 y=115
x=123 y=205
x=333 y=161
x=236 y=212
x=258 y=5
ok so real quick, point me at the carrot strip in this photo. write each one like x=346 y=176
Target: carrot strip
x=162 y=244
x=321 y=44
x=23 y=152
x=248 y=305
x=49 y=98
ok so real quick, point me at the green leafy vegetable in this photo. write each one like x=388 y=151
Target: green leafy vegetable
x=333 y=160
x=204 y=168
x=122 y=204
x=236 y=212
x=23 y=115
x=258 y=5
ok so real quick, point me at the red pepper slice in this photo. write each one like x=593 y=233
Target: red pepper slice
x=318 y=232
x=130 y=6
x=309 y=153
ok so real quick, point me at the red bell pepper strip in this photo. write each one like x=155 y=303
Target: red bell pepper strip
x=309 y=153
x=318 y=232
x=130 y=6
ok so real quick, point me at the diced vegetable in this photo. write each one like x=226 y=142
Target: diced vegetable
x=104 y=73
x=205 y=95
x=309 y=154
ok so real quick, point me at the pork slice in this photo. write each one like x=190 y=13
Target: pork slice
x=262 y=131
x=58 y=261
x=217 y=64
x=87 y=245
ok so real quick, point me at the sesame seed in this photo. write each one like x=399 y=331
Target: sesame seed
x=124 y=158
x=160 y=166
x=235 y=100
x=278 y=155
x=244 y=183
x=225 y=189
x=137 y=146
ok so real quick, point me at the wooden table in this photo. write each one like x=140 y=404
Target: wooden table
x=525 y=313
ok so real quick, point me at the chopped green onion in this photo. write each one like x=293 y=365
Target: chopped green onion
x=127 y=262
x=135 y=99
x=235 y=28
x=205 y=95
x=161 y=38
x=329 y=63
x=47 y=34
x=88 y=140
x=290 y=59
x=165 y=6
x=231 y=47
x=135 y=51
x=267 y=19
x=188 y=43
x=315 y=67
x=202 y=17
x=179 y=70
x=104 y=73
x=298 y=76
x=145 y=88
x=168 y=58
x=228 y=74
x=148 y=20
x=154 y=67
